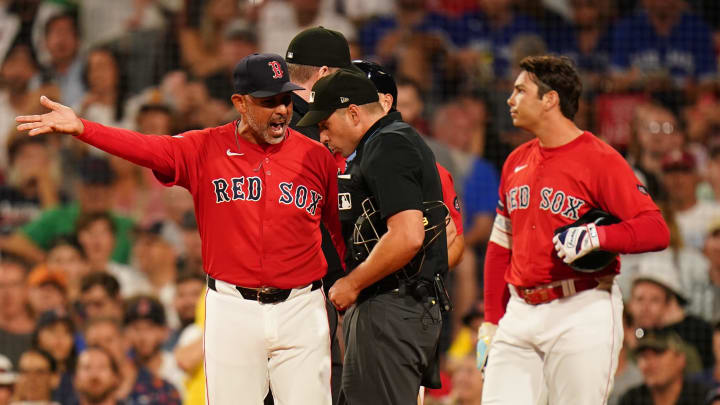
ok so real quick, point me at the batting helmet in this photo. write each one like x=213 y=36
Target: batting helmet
x=381 y=78
x=597 y=259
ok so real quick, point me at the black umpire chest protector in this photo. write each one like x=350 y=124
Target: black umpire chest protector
x=360 y=212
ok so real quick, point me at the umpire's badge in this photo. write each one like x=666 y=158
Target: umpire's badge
x=312 y=97
x=344 y=201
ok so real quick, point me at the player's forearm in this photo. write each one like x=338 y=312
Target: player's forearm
x=394 y=250
x=150 y=151
x=646 y=232
x=496 y=294
x=21 y=245
x=189 y=356
x=456 y=250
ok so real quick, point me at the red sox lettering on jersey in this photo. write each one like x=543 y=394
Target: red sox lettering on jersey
x=555 y=201
x=541 y=190
x=253 y=203
x=251 y=189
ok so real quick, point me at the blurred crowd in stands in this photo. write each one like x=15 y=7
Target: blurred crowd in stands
x=101 y=279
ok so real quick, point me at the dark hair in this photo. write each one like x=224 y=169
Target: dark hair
x=122 y=88
x=189 y=276
x=61 y=16
x=68 y=240
x=48 y=319
x=113 y=364
x=11 y=258
x=18 y=43
x=104 y=280
x=155 y=107
x=401 y=81
x=47 y=356
x=17 y=143
x=555 y=73
x=87 y=219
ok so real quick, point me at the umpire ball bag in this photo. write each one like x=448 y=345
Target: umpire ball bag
x=597 y=259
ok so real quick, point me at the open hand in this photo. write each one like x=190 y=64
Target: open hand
x=60 y=119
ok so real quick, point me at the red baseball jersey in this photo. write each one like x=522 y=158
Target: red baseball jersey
x=450 y=197
x=258 y=208
x=542 y=189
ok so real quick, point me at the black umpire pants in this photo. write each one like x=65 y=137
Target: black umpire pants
x=391 y=348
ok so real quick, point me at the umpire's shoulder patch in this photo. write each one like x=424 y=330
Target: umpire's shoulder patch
x=456 y=203
x=344 y=201
x=643 y=189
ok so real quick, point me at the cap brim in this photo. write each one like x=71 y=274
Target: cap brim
x=654 y=345
x=288 y=86
x=313 y=117
x=644 y=277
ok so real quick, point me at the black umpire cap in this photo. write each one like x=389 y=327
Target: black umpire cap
x=262 y=75
x=381 y=78
x=319 y=46
x=336 y=91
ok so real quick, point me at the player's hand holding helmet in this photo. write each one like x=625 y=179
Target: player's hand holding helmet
x=575 y=242
x=486 y=333
x=578 y=244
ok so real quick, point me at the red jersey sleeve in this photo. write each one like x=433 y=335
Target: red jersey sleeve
x=170 y=157
x=450 y=197
x=642 y=228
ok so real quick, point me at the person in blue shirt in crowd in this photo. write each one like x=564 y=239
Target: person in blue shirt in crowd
x=410 y=18
x=491 y=31
x=662 y=42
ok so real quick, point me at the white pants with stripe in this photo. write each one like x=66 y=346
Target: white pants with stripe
x=566 y=350
x=251 y=346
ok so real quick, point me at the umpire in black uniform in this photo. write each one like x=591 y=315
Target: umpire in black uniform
x=390 y=201
x=314 y=53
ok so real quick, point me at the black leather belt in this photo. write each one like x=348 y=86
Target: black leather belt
x=265 y=295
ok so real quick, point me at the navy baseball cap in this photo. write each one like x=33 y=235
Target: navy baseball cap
x=262 y=75
x=145 y=308
x=336 y=91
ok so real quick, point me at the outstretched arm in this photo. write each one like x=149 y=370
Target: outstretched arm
x=60 y=119
x=162 y=154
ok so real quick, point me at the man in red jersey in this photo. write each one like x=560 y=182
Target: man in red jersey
x=260 y=191
x=561 y=331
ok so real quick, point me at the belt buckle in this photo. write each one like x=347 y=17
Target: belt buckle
x=535 y=296
x=263 y=290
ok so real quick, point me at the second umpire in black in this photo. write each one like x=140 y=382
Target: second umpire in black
x=313 y=53
x=393 y=222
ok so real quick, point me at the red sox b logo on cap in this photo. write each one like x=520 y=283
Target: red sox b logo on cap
x=277 y=70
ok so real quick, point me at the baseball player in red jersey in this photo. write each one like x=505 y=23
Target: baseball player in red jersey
x=559 y=329
x=257 y=185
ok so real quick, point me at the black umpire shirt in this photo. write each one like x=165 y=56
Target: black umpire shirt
x=394 y=167
x=334 y=271
x=300 y=108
